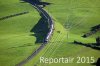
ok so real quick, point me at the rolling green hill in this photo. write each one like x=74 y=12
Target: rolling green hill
x=16 y=40
x=72 y=18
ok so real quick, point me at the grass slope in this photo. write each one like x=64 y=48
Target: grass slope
x=80 y=15
x=16 y=42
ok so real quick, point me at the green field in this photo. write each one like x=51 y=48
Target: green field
x=17 y=43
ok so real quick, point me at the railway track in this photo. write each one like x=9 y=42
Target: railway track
x=47 y=38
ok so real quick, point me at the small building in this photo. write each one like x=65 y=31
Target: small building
x=98 y=40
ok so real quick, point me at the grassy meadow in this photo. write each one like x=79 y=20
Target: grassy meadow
x=72 y=18
x=16 y=40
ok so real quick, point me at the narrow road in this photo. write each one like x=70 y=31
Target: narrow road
x=47 y=38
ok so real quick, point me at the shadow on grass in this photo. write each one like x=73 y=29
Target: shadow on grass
x=40 y=29
x=13 y=15
x=90 y=45
x=38 y=2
